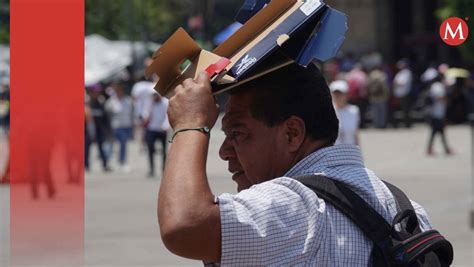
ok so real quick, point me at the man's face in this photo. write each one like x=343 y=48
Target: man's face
x=251 y=148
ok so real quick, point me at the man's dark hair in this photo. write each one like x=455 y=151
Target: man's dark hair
x=294 y=91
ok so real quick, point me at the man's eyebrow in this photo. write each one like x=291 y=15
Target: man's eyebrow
x=234 y=125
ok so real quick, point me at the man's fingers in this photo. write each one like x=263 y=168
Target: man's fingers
x=203 y=78
x=179 y=88
x=188 y=82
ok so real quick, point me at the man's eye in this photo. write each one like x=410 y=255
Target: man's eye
x=236 y=134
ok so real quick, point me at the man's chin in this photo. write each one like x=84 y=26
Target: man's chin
x=242 y=187
x=242 y=183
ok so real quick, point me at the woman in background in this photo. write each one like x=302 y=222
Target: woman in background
x=347 y=114
x=120 y=106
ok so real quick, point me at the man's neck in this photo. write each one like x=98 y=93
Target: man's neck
x=307 y=147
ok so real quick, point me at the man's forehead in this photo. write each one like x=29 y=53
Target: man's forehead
x=233 y=117
x=237 y=107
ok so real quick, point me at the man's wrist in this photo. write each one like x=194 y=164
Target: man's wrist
x=204 y=129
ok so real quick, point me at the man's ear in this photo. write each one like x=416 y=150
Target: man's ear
x=295 y=131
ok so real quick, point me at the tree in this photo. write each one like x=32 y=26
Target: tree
x=156 y=20
x=5 y=22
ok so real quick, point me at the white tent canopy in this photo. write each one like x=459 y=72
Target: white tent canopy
x=106 y=59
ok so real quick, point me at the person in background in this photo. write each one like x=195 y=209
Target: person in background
x=89 y=133
x=109 y=139
x=402 y=86
x=438 y=114
x=120 y=106
x=156 y=127
x=5 y=107
x=377 y=88
x=347 y=114
x=142 y=94
x=101 y=124
x=4 y=131
x=357 y=94
x=428 y=76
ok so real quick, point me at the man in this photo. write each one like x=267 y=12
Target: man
x=278 y=126
x=402 y=86
x=156 y=128
x=357 y=93
x=437 y=114
x=101 y=125
x=377 y=87
x=142 y=92
x=120 y=107
x=142 y=95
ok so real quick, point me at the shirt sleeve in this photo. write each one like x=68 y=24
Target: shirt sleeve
x=423 y=219
x=271 y=223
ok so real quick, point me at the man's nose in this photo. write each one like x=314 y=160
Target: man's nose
x=226 y=151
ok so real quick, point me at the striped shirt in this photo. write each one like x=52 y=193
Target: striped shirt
x=282 y=222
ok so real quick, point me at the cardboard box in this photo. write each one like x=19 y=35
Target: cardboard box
x=282 y=32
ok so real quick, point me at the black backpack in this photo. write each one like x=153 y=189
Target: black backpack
x=405 y=245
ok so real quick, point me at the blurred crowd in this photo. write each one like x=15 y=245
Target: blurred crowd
x=368 y=92
x=5 y=107
x=117 y=112
x=4 y=130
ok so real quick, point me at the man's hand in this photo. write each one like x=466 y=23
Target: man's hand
x=193 y=104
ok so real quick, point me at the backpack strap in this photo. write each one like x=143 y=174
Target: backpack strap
x=417 y=244
x=411 y=242
x=374 y=226
x=406 y=210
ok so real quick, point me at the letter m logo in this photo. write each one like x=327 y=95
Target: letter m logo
x=453 y=34
x=454 y=31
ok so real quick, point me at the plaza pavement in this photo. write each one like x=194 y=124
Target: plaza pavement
x=120 y=211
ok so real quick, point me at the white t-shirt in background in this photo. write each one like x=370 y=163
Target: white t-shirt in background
x=142 y=92
x=158 y=116
x=348 y=124
x=121 y=110
x=437 y=93
x=402 y=83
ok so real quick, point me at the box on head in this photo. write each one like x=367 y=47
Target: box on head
x=275 y=33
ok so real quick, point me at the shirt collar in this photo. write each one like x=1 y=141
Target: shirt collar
x=328 y=157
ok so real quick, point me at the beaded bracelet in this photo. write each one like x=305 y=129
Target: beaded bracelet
x=200 y=129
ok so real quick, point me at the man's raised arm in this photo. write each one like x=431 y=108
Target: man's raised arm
x=188 y=217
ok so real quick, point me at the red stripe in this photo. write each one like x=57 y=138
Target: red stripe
x=47 y=81
x=423 y=241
